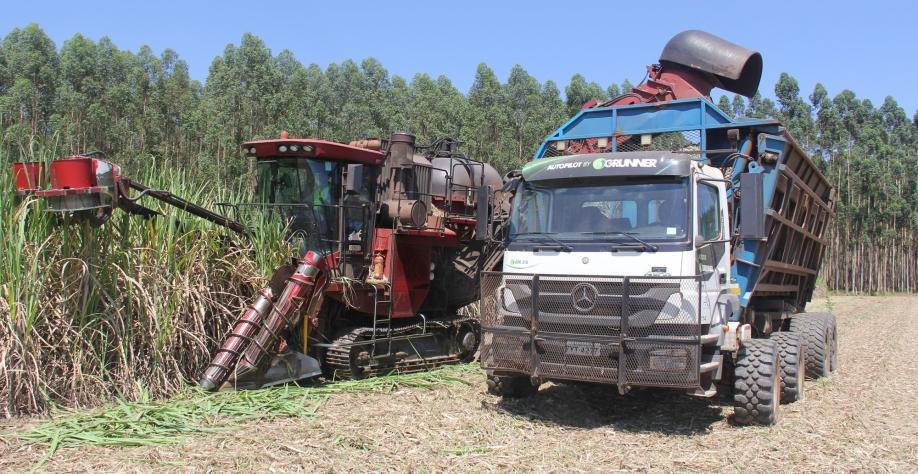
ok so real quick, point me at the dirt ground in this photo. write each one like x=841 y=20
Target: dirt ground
x=864 y=418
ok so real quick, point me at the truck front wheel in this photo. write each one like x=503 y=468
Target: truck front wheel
x=821 y=342
x=510 y=386
x=757 y=383
x=792 y=356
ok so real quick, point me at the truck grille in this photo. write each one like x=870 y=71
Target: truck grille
x=641 y=331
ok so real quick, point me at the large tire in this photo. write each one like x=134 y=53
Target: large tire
x=757 y=384
x=821 y=341
x=792 y=357
x=510 y=386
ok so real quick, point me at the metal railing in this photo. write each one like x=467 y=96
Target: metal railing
x=469 y=193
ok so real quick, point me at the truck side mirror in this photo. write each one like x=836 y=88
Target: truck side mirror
x=482 y=213
x=752 y=206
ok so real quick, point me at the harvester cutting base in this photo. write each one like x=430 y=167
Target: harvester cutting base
x=656 y=242
x=390 y=243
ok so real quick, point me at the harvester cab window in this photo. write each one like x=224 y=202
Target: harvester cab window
x=323 y=184
x=304 y=192
x=357 y=200
x=298 y=181
x=285 y=186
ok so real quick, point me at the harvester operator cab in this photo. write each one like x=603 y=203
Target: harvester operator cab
x=304 y=191
x=302 y=182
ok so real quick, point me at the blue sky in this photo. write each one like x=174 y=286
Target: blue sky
x=868 y=47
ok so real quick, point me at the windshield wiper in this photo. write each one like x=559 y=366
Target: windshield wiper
x=547 y=235
x=644 y=245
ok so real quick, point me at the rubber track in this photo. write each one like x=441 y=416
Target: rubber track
x=338 y=357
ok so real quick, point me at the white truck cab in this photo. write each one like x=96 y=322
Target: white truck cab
x=594 y=237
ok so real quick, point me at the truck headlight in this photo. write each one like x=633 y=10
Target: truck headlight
x=669 y=360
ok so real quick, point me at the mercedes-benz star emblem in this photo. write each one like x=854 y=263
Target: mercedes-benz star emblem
x=584 y=297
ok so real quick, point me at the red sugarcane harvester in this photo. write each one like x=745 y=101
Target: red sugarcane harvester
x=391 y=238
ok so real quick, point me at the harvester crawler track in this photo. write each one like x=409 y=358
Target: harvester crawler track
x=348 y=356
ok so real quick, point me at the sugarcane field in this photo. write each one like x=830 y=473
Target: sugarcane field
x=275 y=253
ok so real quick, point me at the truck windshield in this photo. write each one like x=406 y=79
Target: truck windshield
x=654 y=209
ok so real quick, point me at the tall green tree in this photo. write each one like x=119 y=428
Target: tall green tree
x=794 y=111
x=760 y=107
x=724 y=105
x=349 y=99
x=378 y=94
x=436 y=108
x=525 y=113
x=486 y=118
x=553 y=110
x=32 y=65
x=626 y=86
x=739 y=106
x=579 y=92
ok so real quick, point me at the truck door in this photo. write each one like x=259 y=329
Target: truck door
x=711 y=255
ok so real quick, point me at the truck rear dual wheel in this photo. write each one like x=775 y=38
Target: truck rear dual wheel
x=821 y=340
x=792 y=357
x=510 y=386
x=757 y=383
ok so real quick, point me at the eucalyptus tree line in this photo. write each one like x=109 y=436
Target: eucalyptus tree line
x=145 y=110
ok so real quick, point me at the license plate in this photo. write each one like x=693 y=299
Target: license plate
x=590 y=349
x=669 y=360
